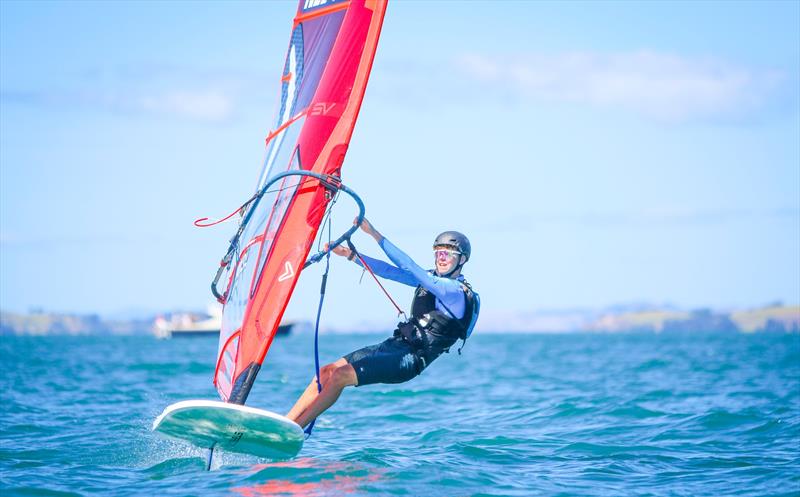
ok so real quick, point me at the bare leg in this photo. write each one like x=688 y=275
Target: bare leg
x=311 y=391
x=308 y=396
x=342 y=376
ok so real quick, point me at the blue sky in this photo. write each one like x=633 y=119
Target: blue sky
x=596 y=153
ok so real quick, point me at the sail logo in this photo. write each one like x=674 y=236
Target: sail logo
x=310 y=4
x=288 y=272
x=322 y=108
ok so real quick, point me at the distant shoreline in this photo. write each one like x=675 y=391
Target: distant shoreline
x=772 y=318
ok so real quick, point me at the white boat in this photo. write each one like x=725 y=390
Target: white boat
x=187 y=324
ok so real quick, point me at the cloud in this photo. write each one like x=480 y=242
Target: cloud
x=198 y=94
x=209 y=105
x=659 y=85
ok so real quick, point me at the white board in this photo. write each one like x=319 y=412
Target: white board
x=209 y=423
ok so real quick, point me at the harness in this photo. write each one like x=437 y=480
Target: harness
x=430 y=328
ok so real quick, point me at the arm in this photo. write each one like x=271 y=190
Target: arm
x=446 y=290
x=385 y=270
x=380 y=268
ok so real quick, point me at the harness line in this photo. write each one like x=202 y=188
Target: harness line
x=352 y=247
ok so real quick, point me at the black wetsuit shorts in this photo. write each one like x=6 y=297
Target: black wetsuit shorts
x=391 y=361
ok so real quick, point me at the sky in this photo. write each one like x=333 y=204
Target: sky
x=596 y=153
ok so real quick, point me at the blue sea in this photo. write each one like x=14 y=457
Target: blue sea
x=550 y=415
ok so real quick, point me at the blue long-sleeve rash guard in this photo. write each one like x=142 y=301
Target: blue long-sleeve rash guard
x=407 y=272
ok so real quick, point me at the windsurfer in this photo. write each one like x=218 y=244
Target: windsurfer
x=443 y=310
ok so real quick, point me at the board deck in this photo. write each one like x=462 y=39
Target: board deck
x=231 y=427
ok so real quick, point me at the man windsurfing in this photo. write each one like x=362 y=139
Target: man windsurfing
x=444 y=310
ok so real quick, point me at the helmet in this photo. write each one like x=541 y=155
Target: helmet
x=456 y=240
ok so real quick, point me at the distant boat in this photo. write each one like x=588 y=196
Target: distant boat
x=196 y=325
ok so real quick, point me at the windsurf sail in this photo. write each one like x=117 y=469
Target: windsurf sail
x=325 y=74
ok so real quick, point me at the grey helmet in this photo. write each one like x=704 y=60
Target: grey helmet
x=456 y=240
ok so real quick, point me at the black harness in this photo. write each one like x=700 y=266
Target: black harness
x=431 y=331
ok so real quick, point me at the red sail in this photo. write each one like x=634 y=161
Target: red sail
x=325 y=75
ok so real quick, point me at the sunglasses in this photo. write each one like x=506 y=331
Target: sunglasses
x=445 y=254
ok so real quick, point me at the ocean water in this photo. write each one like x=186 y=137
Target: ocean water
x=584 y=415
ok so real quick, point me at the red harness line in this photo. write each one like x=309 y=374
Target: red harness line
x=366 y=266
